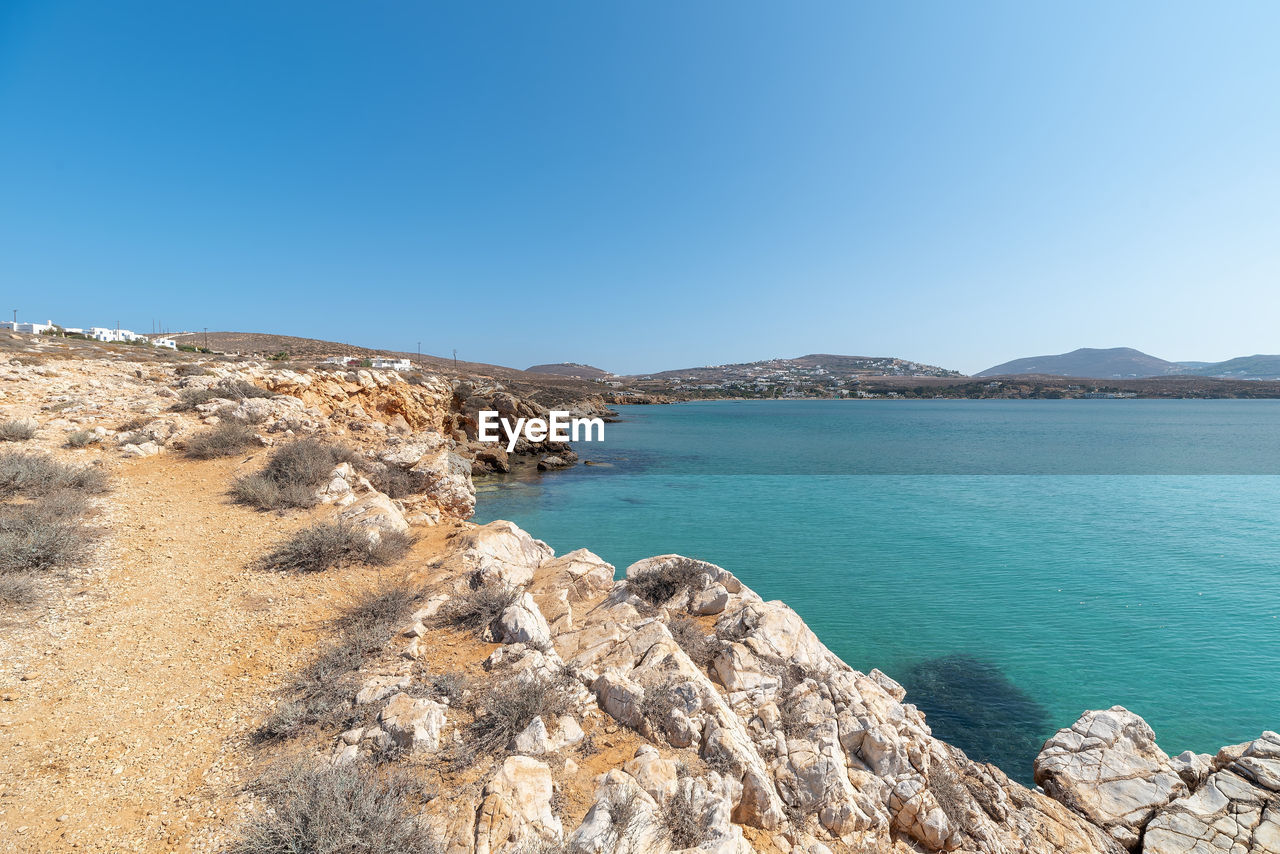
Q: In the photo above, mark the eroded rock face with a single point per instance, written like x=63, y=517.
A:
x=517, y=807
x=1236, y=809
x=500, y=553
x=445, y=475
x=754, y=730
x=1108, y=767
x=413, y=724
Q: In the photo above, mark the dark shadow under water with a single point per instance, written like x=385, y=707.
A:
x=970, y=702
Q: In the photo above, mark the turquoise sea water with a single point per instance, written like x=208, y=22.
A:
x=1013, y=563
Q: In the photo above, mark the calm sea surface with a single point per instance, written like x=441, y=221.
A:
x=1013, y=563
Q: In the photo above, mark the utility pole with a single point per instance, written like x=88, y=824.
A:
x=455, y=358
x=419, y=354
x=15, y=317
x=206, y=338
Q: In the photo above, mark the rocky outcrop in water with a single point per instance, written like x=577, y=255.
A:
x=1108, y=768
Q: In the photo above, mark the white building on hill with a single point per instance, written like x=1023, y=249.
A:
x=126, y=336
x=27, y=328
x=392, y=364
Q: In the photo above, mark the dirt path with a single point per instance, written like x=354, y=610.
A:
x=126, y=715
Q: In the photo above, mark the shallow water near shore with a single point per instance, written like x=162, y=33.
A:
x=1012, y=563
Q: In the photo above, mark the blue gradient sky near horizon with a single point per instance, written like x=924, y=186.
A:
x=646, y=186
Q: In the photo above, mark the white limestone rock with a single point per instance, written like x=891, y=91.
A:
x=1108, y=767
x=413, y=724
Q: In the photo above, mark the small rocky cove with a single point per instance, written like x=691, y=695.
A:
x=536, y=703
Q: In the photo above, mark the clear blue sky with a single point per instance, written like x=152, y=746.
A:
x=650, y=185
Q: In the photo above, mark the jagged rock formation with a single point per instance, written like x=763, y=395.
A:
x=765, y=736
x=1108, y=767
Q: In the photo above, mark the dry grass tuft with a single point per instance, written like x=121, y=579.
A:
x=680, y=820
x=505, y=707
x=348, y=809
x=225, y=440
x=321, y=693
x=476, y=609
x=325, y=545
x=292, y=475
x=190, y=398
x=701, y=647
x=658, y=585
x=37, y=474
x=18, y=430
x=81, y=439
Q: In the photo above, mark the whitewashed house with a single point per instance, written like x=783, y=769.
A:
x=391, y=364
x=27, y=328
x=166, y=343
x=108, y=336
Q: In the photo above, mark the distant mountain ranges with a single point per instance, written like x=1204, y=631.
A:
x=1115, y=363
x=815, y=373
x=1119, y=363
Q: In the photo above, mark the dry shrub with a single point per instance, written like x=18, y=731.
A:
x=449, y=686
x=952, y=795
x=326, y=809
x=394, y=481
x=18, y=430
x=503, y=709
x=82, y=439
x=135, y=423
x=226, y=439
x=658, y=585
x=190, y=369
x=44, y=535
x=701, y=647
x=477, y=608
x=292, y=475
x=624, y=810
x=257, y=491
x=190, y=398
x=325, y=545
x=36, y=474
x=680, y=820
x=19, y=588
x=658, y=702
x=137, y=437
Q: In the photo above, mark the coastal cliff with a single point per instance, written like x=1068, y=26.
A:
x=473, y=692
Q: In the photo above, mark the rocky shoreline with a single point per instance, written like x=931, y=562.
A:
x=673, y=709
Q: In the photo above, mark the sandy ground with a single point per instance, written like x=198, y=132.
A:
x=129, y=696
